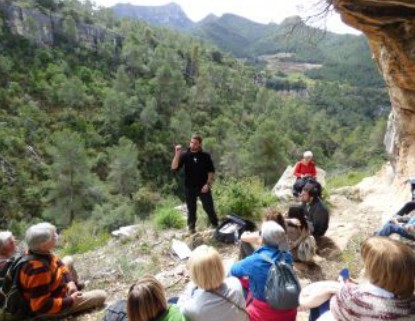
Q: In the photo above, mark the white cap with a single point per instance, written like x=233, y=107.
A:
x=308, y=154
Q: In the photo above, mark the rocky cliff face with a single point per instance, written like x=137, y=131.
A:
x=170, y=15
x=45, y=29
x=390, y=28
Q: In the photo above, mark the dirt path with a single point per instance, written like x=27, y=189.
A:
x=356, y=212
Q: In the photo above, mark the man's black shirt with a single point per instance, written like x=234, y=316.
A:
x=318, y=215
x=197, y=165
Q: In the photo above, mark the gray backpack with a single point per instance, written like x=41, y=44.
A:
x=116, y=312
x=12, y=302
x=282, y=288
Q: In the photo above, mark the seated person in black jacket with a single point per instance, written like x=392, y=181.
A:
x=317, y=213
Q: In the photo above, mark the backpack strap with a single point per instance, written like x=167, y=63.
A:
x=230, y=301
x=14, y=269
x=267, y=258
x=270, y=260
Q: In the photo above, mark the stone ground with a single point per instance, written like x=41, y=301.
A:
x=356, y=212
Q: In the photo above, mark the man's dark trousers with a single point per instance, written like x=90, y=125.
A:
x=406, y=209
x=207, y=202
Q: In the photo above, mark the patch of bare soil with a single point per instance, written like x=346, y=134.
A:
x=278, y=62
x=356, y=212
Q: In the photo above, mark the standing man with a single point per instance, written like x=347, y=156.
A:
x=199, y=172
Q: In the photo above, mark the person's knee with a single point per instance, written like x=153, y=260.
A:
x=68, y=261
x=98, y=297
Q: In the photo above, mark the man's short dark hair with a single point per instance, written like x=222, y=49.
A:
x=311, y=189
x=197, y=137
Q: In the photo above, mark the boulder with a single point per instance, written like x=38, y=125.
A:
x=125, y=231
x=283, y=189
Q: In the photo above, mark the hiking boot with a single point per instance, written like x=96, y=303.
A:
x=190, y=231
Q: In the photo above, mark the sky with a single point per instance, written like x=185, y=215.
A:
x=263, y=11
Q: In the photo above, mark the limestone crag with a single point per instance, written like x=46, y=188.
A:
x=390, y=28
x=170, y=15
x=45, y=29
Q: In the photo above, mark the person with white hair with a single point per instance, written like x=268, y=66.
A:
x=7, y=249
x=255, y=267
x=45, y=281
x=305, y=167
x=304, y=170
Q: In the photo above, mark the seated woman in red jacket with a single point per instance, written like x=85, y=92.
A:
x=306, y=166
x=304, y=169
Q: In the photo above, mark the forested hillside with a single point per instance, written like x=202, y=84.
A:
x=88, y=132
x=345, y=58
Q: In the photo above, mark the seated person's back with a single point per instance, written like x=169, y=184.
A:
x=256, y=268
x=211, y=297
x=389, y=292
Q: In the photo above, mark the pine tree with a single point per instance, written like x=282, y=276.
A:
x=124, y=175
x=72, y=191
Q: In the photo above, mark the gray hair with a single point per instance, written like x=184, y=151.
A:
x=5, y=236
x=274, y=235
x=38, y=234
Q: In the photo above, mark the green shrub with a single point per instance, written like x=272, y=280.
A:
x=166, y=217
x=82, y=237
x=145, y=201
x=114, y=214
x=347, y=179
x=244, y=197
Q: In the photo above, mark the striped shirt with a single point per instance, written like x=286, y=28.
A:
x=45, y=286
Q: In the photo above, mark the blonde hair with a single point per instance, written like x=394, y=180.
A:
x=389, y=264
x=146, y=300
x=206, y=268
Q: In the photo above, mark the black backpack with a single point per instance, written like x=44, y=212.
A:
x=232, y=227
x=12, y=301
x=282, y=288
x=116, y=312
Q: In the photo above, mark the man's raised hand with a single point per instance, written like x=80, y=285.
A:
x=178, y=149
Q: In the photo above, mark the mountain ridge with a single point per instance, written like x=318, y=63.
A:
x=239, y=35
x=169, y=15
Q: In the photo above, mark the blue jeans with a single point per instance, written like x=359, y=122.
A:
x=390, y=228
x=315, y=313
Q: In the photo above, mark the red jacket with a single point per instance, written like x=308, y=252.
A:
x=262, y=311
x=301, y=169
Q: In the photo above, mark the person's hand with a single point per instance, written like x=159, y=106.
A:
x=71, y=287
x=246, y=233
x=295, y=221
x=205, y=188
x=178, y=149
x=76, y=297
x=394, y=221
x=410, y=228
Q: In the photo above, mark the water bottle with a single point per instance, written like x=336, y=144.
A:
x=236, y=236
